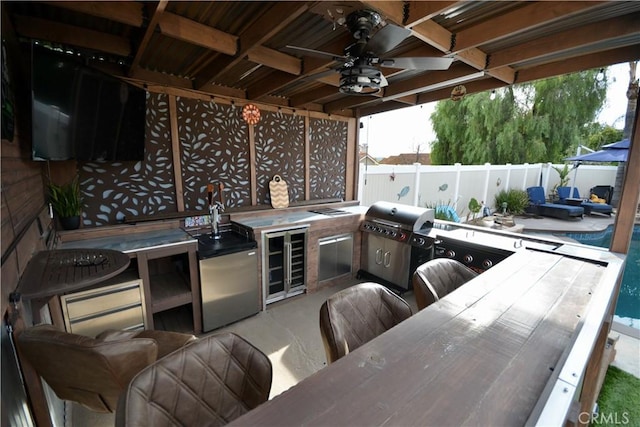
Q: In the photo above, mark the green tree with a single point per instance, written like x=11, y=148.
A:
x=596, y=135
x=533, y=122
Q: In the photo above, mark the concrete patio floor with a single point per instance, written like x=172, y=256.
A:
x=587, y=224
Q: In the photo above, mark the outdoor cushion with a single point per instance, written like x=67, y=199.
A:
x=603, y=191
x=603, y=208
x=556, y=210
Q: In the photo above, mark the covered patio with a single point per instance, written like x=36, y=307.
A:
x=304, y=73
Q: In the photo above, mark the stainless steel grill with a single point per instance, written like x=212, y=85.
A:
x=396, y=221
x=392, y=248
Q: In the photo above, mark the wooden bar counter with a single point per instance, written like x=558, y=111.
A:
x=511, y=347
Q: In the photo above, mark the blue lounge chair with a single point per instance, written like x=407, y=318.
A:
x=539, y=206
x=602, y=208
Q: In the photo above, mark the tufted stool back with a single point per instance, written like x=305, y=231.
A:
x=358, y=314
x=93, y=372
x=211, y=382
x=436, y=278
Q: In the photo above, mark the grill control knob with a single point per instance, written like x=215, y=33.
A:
x=487, y=263
x=450, y=254
x=402, y=236
x=420, y=241
x=468, y=259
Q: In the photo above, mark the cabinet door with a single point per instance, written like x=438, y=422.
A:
x=344, y=254
x=395, y=261
x=276, y=273
x=375, y=254
x=335, y=254
x=296, y=260
x=230, y=289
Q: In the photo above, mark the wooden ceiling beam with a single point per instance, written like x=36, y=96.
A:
x=530, y=15
x=125, y=12
x=193, y=32
x=585, y=62
x=423, y=82
x=594, y=33
x=160, y=78
x=475, y=86
x=434, y=34
x=418, y=11
x=437, y=95
x=349, y=102
x=312, y=96
x=275, y=59
x=275, y=81
x=148, y=33
x=266, y=26
x=42, y=29
x=310, y=66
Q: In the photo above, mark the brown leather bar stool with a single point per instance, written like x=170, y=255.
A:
x=436, y=278
x=356, y=315
x=93, y=372
x=211, y=382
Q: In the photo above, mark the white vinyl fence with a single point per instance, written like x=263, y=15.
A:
x=455, y=185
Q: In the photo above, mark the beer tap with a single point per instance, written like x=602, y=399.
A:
x=214, y=211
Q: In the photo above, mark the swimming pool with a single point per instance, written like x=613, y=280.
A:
x=628, y=307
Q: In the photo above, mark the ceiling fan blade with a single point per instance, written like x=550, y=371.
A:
x=319, y=53
x=383, y=81
x=387, y=38
x=417, y=63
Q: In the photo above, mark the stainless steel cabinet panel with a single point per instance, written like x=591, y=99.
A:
x=119, y=306
x=335, y=254
x=386, y=259
x=230, y=288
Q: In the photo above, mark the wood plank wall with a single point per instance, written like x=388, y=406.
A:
x=23, y=215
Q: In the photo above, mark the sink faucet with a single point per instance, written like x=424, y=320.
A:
x=214, y=211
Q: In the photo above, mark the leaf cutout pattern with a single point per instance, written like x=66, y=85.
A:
x=214, y=148
x=279, y=140
x=112, y=190
x=327, y=159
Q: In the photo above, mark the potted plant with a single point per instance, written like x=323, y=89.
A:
x=67, y=203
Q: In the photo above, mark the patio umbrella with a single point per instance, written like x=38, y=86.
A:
x=607, y=155
x=614, y=152
x=620, y=144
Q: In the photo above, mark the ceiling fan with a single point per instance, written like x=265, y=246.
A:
x=359, y=72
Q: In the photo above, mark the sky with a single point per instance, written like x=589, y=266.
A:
x=407, y=129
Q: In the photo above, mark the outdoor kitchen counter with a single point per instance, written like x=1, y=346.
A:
x=292, y=219
x=132, y=242
x=511, y=347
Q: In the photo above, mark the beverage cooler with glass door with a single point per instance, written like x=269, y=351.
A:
x=284, y=263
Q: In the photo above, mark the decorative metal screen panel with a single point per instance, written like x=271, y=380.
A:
x=328, y=158
x=280, y=151
x=112, y=191
x=214, y=146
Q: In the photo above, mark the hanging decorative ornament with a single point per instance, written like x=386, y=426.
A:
x=458, y=92
x=251, y=114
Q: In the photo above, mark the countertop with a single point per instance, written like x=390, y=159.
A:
x=295, y=218
x=66, y=270
x=509, y=347
x=133, y=242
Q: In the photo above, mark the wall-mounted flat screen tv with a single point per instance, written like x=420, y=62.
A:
x=81, y=113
